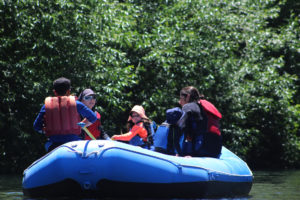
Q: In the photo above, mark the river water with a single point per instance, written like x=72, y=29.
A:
x=267, y=185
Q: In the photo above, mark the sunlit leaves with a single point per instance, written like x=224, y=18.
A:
x=242, y=55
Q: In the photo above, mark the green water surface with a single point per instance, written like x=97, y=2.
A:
x=267, y=185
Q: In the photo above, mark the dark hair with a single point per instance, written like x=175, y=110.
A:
x=61, y=85
x=193, y=92
x=129, y=125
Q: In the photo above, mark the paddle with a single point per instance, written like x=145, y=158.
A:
x=82, y=125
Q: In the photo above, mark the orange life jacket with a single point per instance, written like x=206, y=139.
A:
x=61, y=116
x=137, y=129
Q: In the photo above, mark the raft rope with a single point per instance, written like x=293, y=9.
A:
x=100, y=152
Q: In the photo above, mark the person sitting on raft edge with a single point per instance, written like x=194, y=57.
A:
x=140, y=133
x=200, y=125
x=59, y=116
x=88, y=98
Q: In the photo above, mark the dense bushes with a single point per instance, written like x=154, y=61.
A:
x=243, y=56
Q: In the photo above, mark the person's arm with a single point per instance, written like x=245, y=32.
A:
x=84, y=111
x=124, y=137
x=39, y=121
x=182, y=121
x=136, y=130
x=189, y=109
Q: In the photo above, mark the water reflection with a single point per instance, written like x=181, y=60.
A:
x=276, y=185
x=268, y=185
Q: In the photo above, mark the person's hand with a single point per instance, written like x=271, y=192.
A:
x=87, y=122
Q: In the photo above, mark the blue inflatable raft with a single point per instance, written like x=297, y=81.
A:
x=102, y=168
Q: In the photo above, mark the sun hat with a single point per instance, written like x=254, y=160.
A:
x=139, y=110
x=86, y=92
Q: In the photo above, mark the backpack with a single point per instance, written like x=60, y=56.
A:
x=213, y=116
x=150, y=127
x=167, y=139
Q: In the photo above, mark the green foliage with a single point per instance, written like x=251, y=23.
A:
x=242, y=55
x=40, y=41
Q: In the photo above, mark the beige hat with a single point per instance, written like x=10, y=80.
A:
x=139, y=110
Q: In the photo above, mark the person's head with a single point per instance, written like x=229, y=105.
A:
x=62, y=86
x=137, y=114
x=88, y=98
x=189, y=94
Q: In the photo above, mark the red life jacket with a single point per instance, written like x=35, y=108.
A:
x=213, y=116
x=94, y=128
x=61, y=116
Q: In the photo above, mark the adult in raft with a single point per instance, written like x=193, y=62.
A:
x=59, y=116
x=200, y=125
x=139, y=126
x=88, y=98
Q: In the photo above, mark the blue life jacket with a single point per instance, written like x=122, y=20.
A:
x=196, y=130
x=168, y=138
x=161, y=137
x=202, y=136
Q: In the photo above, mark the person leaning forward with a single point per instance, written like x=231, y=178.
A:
x=59, y=116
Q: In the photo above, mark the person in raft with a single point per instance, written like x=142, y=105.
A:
x=200, y=125
x=59, y=116
x=88, y=98
x=140, y=133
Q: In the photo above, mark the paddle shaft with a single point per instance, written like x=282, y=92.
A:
x=89, y=133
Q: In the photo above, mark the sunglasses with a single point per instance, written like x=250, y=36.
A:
x=87, y=98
